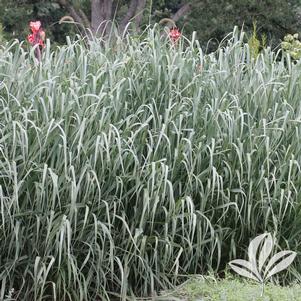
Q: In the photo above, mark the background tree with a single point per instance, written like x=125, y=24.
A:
x=212, y=19
x=123, y=12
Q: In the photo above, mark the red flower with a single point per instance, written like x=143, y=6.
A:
x=174, y=34
x=38, y=34
x=37, y=37
x=30, y=38
x=35, y=26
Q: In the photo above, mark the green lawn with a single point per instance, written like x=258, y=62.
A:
x=231, y=290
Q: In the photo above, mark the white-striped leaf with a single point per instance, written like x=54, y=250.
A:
x=253, y=249
x=288, y=256
x=265, y=251
x=245, y=269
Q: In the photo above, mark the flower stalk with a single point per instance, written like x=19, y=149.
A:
x=37, y=38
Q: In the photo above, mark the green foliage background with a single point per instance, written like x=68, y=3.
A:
x=212, y=19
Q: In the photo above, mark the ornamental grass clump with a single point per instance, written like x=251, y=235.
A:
x=124, y=169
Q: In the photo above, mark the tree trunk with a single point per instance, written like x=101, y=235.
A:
x=77, y=14
x=129, y=14
x=135, y=12
x=182, y=11
x=101, y=13
x=139, y=13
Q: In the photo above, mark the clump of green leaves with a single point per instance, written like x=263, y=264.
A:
x=255, y=44
x=292, y=46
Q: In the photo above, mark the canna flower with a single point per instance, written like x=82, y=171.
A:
x=37, y=37
x=38, y=34
x=30, y=38
x=35, y=26
x=174, y=34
